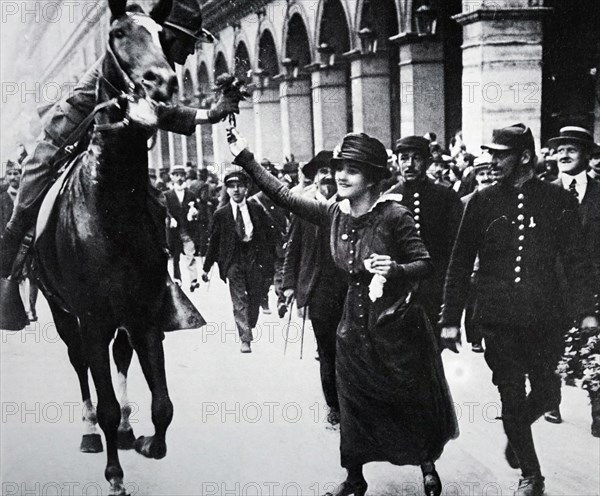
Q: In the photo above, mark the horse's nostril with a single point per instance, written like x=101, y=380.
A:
x=150, y=76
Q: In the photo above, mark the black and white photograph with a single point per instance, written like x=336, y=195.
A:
x=300, y=247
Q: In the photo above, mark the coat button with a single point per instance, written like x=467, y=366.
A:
x=519, y=258
x=417, y=203
x=351, y=252
x=350, y=262
x=520, y=248
x=417, y=210
x=418, y=226
x=521, y=237
x=517, y=269
x=517, y=280
x=521, y=217
x=521, y=196
x=344, y=237
x=521, y=227
x=416, y=195
x=520, y=205
x=417, y=218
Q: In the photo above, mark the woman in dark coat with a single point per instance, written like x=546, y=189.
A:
x=395, y=404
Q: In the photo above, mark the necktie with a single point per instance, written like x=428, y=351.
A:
x=573, y=189
x=240, y=229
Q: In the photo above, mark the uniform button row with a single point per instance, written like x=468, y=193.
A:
x=416, y=195
x=521, y=217
x=521, y=196
x=521, y=237
x=519, y=258
x=417, y=203
x=521, y=227
x=517, y=280
x=417, y=211
x=520, y=248
x=418, y=226
x=517, y=269
x=520, y=206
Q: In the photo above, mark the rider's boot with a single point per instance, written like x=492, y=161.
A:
x=12, y=311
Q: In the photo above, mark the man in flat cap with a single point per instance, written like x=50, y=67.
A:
x=310, y=276
x=520, y=227
x=238, y=244
x=573, y=149
x=437, y=211
x=177, y=30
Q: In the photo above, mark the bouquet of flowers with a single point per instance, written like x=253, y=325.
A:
x=580, y=364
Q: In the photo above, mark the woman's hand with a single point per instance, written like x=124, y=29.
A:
x=383, y=265
x=237, y=143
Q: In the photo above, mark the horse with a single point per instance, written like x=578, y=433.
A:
x=100, y=256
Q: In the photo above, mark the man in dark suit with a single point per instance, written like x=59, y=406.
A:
x=437, y=211
x=181, y=221
x=520, y=227
x=239, y=246
x=573, y=148
x=278, y=226
x=310, y=275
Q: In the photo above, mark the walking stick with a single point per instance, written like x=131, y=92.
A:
x=287, y=331
x=302, y=334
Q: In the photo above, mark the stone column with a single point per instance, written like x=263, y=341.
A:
x=296, y=118
x=371, y=112
x=267, y=123
x=502, y=70
x=330, y=105
x=422, y=93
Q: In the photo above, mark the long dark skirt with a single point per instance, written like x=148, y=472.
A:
x=395, y=403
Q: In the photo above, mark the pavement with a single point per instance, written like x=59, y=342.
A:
x=254, y=424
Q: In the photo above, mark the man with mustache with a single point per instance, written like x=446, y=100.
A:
x=520, y=228
x=573, y=149
x=437, y=211
x=310, y=275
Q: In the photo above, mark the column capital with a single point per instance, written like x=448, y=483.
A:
x=499, y=14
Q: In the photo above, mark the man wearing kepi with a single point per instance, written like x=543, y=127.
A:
x=180, y=31
x=520, y=227
x=437, y=211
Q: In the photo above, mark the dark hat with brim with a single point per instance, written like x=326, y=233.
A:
x=482, y=162
x=237, y=175
x=515, y=137
x=177, y=169
x=365, y=150
x=186, y=17
x=573, y=134
x=320, y=160
x=418, y=143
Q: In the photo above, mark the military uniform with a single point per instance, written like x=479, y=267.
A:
x=520, y=234
x=437, y=211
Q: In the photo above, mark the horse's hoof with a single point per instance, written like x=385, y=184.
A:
x=125, y=439
x=91, y=443
x=147, y=446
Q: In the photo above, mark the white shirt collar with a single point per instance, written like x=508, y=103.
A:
x=397, y=197
x=567, y=179
x=235, y=205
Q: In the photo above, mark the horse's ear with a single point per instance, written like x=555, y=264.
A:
x=117, y=8
x=161, y=11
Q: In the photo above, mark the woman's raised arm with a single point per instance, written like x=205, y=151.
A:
x=310, y=210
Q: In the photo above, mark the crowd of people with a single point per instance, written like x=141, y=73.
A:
x=390, y=252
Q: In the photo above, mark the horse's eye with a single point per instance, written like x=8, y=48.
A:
x=119, y=33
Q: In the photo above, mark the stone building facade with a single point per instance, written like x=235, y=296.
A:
x=321, y=68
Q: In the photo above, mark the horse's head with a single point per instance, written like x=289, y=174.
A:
x=135, y=64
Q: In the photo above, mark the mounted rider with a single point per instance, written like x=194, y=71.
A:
x=178, y=31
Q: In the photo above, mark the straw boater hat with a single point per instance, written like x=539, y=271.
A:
x=573, y=134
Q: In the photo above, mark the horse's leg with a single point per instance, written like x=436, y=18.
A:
x=149, y=349
x=67, y=327
x=96, y=339
x=122, y=353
